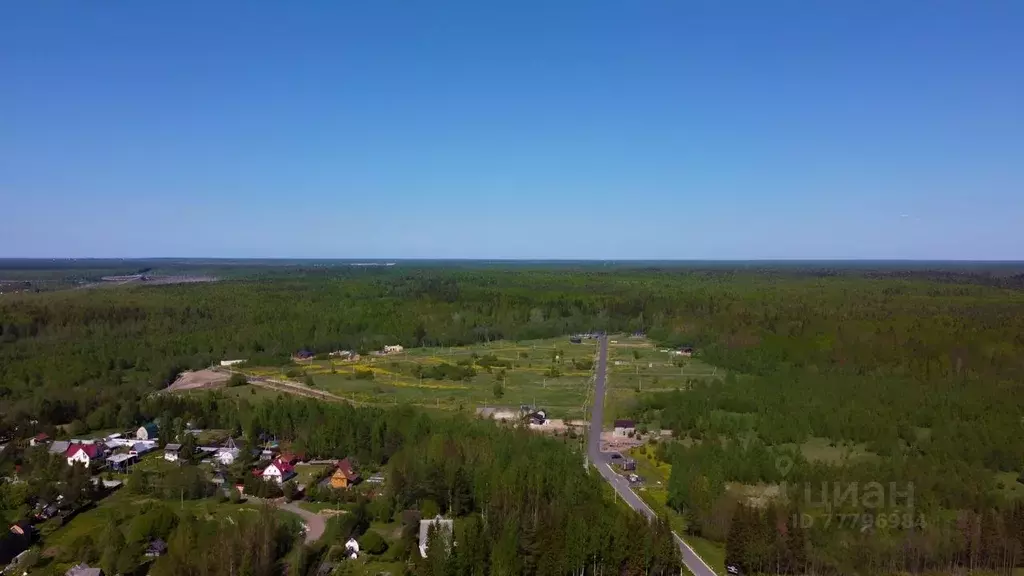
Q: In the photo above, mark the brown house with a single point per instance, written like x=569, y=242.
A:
x=344, y=476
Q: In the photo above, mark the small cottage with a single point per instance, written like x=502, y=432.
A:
x=624, y=428
x=171, y=452
x=278, y=471
x=344, y=475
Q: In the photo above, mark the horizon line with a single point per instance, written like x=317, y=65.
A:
x=477, y=259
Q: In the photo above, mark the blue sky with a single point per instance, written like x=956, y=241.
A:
x=695, y=129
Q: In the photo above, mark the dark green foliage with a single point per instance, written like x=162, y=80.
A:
x=492, y=361
x=289, y=490
x=924, y=374
x=583, y=364
x=372, y=543
x=156, y=522
x=543, y=513
x=250, y=544
x=237, y=380
x=445, y=371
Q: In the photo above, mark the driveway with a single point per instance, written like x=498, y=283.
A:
x=315, y=523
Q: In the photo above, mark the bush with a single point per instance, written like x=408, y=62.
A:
x=237, y=380
x=157, y=522
x=490, y=360
x=445, y=371
x=583, y=364
x=290, y=491
x=372, y=543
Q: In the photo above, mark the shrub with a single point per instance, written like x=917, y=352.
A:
x=290, y=491
x=237, y=380
x=372, y=543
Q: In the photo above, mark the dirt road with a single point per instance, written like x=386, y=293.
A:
x=315, y=523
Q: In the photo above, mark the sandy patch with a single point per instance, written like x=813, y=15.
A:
x=198, y=379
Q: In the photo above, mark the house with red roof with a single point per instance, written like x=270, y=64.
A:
x=344, y=475
x=84, y=454
x=279, y=471
x=41, y=438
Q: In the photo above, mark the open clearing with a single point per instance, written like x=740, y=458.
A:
x=636, y=365
x=553, y=374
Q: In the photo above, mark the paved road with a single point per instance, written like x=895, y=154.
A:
x=602, y=461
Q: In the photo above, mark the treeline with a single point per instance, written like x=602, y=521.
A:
x=775, y=540
x=260, y=543
x=64, y=354
x=528, y=502
x=529, y=508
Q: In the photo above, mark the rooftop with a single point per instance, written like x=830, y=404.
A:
x=444, y=526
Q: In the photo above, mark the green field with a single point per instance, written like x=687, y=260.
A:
x=636, y=365
x=553, y=374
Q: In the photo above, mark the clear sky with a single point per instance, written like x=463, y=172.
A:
x=689, y=129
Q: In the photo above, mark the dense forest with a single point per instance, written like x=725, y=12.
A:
x=922, y=371
x=525, y=504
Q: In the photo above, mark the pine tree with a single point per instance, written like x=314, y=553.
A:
x=796, y=543
x=737, y=543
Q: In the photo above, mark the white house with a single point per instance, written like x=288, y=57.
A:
x=444, y=527
x=278, y=471
x=83, y=454
x=393, y=349
x=171, y=452
x=226, y=456
x=231, y=362
x=352, y=549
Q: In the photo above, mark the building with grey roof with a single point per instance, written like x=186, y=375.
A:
x=445, y=528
